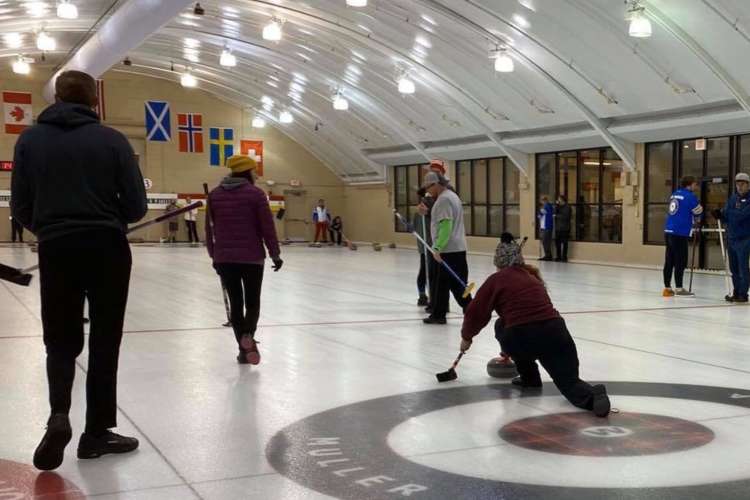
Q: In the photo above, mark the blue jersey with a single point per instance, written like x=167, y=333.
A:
x=683, y=208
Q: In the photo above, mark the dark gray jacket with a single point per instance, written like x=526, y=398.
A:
x=72, y=174
x=562, y=218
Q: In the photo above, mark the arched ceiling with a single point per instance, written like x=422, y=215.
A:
x=579, y=79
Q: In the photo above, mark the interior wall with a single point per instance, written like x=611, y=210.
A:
x=173, y=172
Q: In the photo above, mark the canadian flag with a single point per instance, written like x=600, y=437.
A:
x=17, y=111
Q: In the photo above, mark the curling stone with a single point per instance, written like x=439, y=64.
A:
x=391, y=245
x=501, y=367
x=377, y=247
x=352, y=246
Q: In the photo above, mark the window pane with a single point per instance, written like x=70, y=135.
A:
x=612, y=223
x=480, y=220
x=744, y=160
x=717, y=157
x=588, y=222
x=496, y=220
x=479, y=175
x=463, y=180
x=567, y=178
x=400, y=185
x=589, y=192
x=545, y=176
x=467, y=219
x=612, y=167
x=513, y=220
x=659, y=172
x=692, y=160
x=413, y=184
x=512, y=179
x=396, y=223
x=657, y=216
x=496, y=180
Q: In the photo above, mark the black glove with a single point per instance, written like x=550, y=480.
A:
x=277, y=263
x=410, y=227
x=716, y=213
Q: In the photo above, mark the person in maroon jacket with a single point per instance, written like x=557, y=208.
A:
x=530, y=329
x=240, y=222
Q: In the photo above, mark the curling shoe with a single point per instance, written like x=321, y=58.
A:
x=91, y=446
x=600, y=405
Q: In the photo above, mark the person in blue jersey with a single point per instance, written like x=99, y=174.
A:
x=684, y=209
x=546, y=213
x=736, y=214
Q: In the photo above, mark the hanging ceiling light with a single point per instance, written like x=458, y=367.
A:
x=67, y=10
x=356, y=3
x=503, y=62
x=227, y=58
x=640, y=26
x=286, y=117
x=45, y=43
x=258, y=122
x=339, y=103
x=188, y=80
x=272, y=31
x=21, y=66
x=406, y=85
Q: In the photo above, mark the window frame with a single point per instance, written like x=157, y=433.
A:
x=398, y=227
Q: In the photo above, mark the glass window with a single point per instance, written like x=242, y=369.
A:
x=513, y=219
x=612, y=223
x=512, y=180
x=407, y=180
x=496, y=180
x=463, y=180
x=717, y=157
x=744, y=156
x=567, y=177
x=589, y=192
x=496, y=220
x=479, y=179
x=484, y=205
x=480, y=220
x=400, y=186
x=656, y=218
x=612, y=168
x=545, y=176
x=659, y=172
x=691, y=160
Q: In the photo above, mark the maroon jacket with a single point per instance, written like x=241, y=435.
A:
x=516, y=295
x=242, y=221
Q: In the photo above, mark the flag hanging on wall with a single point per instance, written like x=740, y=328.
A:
x=100, y=109
x=190, y=128
x=253, y=149
x=17, y=111
x=158, y=121
x=222, y=145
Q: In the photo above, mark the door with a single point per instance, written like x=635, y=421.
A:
x=297, y=216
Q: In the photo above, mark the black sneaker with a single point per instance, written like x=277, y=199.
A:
x=518, y=381
x=729, y=298
x=740, y=300
x=51, y=450
x=423, y=300
x=600, y=405
x=434, y=321
x=91, y=446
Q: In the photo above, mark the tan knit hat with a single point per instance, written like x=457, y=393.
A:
x=240, y=163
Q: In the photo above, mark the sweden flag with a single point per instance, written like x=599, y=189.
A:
x=222, y=145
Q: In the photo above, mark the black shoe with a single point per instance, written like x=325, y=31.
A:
x=518, y=381
x=227, y=324
x=91, y=446
x=729, y=298
x=423, y=300
x=558, y=259
x=600, y=406
x=564, y=259
x=740, y=300
x=430, y=320
x=51, y=450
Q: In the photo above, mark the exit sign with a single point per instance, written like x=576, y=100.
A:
x=6, y=166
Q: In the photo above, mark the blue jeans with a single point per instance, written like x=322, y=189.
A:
x=739, y=264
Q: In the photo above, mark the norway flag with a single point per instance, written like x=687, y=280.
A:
x=190, y=127
x=17, y=111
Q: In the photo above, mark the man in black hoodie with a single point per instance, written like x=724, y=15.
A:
x=76, y=185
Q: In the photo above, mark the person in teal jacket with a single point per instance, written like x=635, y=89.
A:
x=736, y=214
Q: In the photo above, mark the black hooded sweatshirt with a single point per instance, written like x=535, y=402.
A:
x=72, y=174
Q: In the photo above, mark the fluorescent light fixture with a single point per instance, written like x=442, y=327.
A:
x=423, y=41
x=286, y=117
x=297, y=87
x=640, y=26
x=271, y=83
x=45, y=43
x=188, y=80
x=36, y=9
x=191, y=43
x=13, y=40
x=356, y=3
x=521, y=21
x=406, y=86
x=528, y=4
x=21, y=67
x=339, y=103
x=268, y=107
x=503, y=62
x=429, y=19
x=272, y=31
x=258, y=122
x=266, y=100
x=228, y=59
x=67, y=10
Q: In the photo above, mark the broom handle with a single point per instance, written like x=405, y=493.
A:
x=460, y=355
x=692, y=259
x=724, y=257
x=137, y=227
x=424, y=252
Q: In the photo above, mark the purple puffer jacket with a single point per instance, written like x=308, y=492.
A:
x=242, y=221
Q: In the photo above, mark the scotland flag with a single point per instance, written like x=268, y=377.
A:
x=158, y=121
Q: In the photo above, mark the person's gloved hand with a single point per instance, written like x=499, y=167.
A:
x=716, y=212
x=277, y=263
x=410, y=227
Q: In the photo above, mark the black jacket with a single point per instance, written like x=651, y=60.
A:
x=72, y=174
x=562, y=218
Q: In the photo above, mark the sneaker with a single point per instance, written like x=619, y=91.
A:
x=600, y=406
x=681, y=292
x=740, y=300
x=51, y=450
x=250, y=348
x=518, y=381
x=729, y=298
x=430, y=320
x=227, y=324
x=423, y=300
x=668, y=292
x=91, y=446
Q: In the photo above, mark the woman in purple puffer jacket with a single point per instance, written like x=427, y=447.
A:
x=240, y=222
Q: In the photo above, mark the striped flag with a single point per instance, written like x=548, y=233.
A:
x=17, y=111
x=190, y=128
x=100, y=109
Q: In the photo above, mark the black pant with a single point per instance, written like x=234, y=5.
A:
x=192, y=228
x=547, y=243
x=676, y=258
x=94, y=265
x=447, y=284
x=16, y=229
x=550, y=343
x=243, y=283
x=335, y=236
x=422, y=275
x=561, y=244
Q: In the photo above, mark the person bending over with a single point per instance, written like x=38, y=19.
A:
x=530, y=329
x=242, y=224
